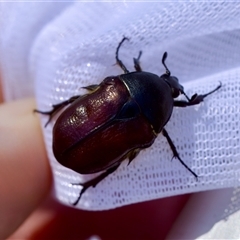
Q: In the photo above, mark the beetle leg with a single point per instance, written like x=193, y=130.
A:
x=119, y=62
x=93, y=182
x=133, y=154
x=92, y=88
x=195, y=99
x=175, y=153
x=56, y=108
x=137, y=62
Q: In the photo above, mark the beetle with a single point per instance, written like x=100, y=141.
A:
x=116, y=119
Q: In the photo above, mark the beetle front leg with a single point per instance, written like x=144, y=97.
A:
x=119, y=62
x=195, y=99
x=56, y=108
x=93, y=182
x=137, y=62
x=175, y=153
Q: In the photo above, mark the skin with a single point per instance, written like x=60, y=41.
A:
x=28, y=209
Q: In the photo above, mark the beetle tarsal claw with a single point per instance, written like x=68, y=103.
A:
x=79, y=197
x=84, y=188
x=76, y=184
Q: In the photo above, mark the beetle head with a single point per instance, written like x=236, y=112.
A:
x=172, y=81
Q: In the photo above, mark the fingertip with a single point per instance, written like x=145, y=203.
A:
x=25, y=175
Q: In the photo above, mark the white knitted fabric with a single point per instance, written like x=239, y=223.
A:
x=63, y=47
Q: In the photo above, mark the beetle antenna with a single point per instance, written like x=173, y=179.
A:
x=163, y=62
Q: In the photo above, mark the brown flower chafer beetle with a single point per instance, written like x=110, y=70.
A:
x=116, y=120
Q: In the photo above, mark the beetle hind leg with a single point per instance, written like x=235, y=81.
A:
x=175, y=153
x=93, y=182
